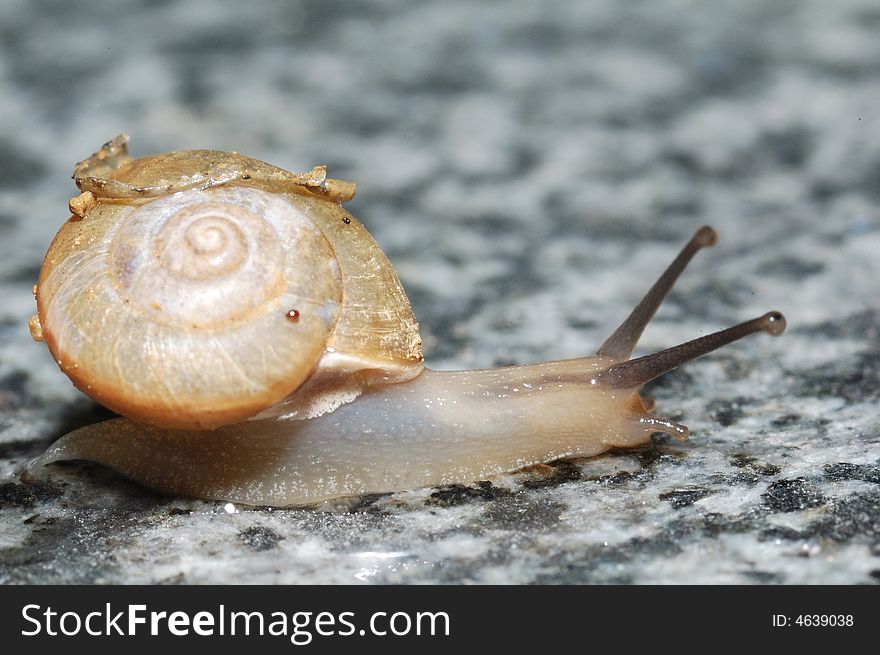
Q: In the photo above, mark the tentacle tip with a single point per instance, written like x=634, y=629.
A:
x=706, y=237
x=773, y=323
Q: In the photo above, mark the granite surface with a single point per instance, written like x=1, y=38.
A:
x=529, y=168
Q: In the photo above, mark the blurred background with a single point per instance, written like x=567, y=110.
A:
x=529, y=168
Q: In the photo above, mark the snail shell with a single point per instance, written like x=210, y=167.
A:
x=198, y=288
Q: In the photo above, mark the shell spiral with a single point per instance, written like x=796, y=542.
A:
x=197, y=288
x=175, y=312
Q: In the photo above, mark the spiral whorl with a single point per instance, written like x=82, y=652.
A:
x=175, y=313
x=203, y=242
x=199, y=261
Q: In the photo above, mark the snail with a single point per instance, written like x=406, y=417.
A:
x=261, y=348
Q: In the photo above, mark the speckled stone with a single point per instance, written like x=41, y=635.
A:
x=529, y=168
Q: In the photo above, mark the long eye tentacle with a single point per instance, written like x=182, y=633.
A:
x=620, y=344
x=634, y=373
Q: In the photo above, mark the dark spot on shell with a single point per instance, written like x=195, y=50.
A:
x=292, y=315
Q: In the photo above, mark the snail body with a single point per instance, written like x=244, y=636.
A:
x=307, y=382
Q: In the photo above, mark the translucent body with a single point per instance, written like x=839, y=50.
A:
x=439, y=428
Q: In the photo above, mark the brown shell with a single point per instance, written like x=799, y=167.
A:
x=142, y=329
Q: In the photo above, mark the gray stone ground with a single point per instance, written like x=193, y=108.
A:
x=529, y=168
